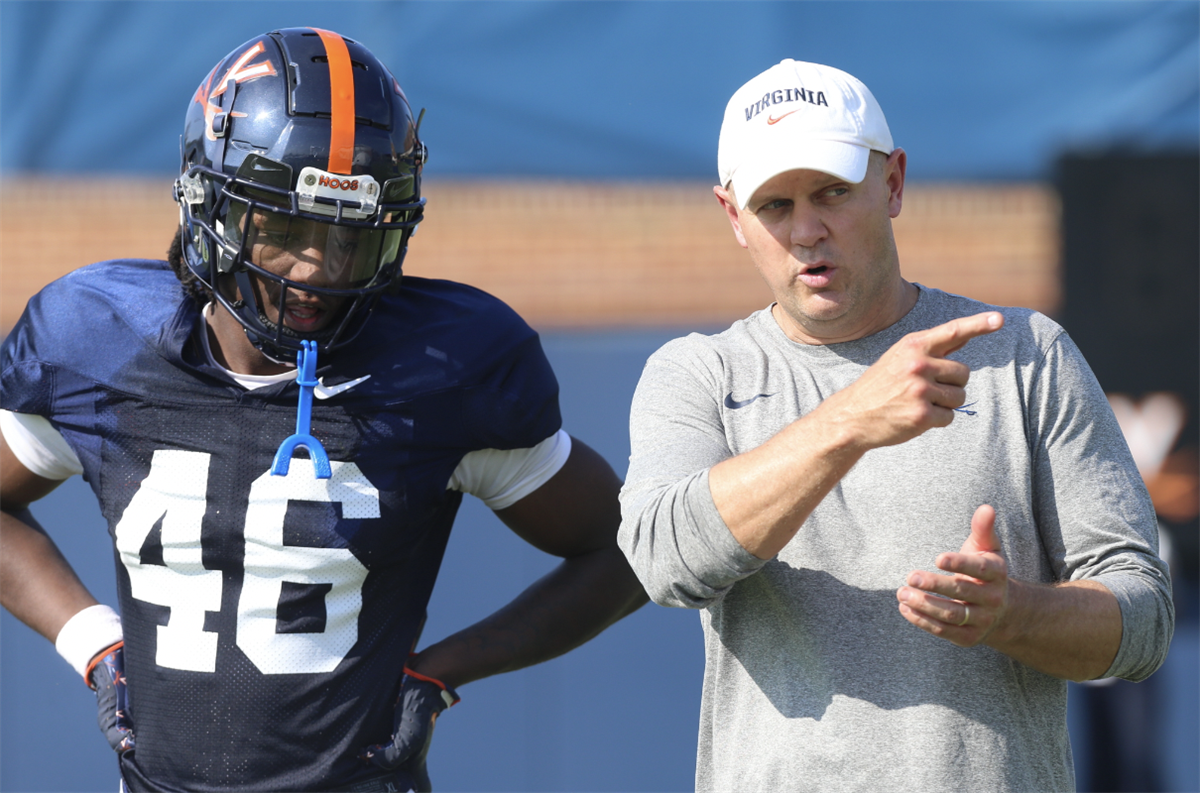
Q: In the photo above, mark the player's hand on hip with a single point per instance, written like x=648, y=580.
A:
x=965, y=606
x=913, y=387
x=421, y=700
x=106, y=675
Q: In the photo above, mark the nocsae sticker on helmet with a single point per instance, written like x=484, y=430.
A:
x=361, y=190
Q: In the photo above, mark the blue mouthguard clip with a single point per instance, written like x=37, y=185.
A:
x=306, y=378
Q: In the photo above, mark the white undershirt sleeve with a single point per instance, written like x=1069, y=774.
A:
x=39, y=446
x=43, y=450
x=502, y=477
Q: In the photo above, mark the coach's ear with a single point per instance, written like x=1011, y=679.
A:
x=729, y=204
x=894, y=170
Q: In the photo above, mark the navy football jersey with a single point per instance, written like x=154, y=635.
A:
x=267, y=618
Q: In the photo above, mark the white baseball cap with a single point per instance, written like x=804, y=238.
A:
x=799, y=115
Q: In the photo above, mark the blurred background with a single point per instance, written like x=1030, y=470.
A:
x=1054, y=163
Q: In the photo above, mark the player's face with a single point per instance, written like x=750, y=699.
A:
x=825, y=248
x=310, y=253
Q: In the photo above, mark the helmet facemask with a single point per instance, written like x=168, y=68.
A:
x=273, y=255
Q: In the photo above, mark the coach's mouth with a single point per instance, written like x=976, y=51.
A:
x=817, y=275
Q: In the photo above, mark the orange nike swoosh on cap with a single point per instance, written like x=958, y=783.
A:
x=773, y=120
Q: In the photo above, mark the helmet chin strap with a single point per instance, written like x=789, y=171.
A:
x=269, y=351
x=282, y=354
x=265, y=337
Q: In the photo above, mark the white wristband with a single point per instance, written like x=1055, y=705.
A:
x=87, y=633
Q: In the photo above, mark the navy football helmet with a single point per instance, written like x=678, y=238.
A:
x=299, y=146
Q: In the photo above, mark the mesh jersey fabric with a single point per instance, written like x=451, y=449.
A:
x=267, y=619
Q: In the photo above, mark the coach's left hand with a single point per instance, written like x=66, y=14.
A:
x=967, y=605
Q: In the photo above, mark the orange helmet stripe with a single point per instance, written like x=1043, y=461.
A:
x=341, y=99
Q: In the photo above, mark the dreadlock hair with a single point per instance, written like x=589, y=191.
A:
x=192, y=286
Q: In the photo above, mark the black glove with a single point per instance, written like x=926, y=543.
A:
x=421, y=700
x=106, y=675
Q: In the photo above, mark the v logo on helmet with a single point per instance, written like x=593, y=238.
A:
x=239, y=72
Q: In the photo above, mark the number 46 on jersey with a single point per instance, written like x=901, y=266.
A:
x=175, y=493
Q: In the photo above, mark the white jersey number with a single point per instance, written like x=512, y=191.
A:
x=174, y=493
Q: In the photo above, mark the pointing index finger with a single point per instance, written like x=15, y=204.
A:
x=953, y=335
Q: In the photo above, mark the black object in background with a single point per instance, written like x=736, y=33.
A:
x=1131, y=301
x=1131, y=284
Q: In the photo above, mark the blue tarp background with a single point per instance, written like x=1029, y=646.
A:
x=979, y=90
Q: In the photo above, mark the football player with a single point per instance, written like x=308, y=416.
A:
x=277, y=535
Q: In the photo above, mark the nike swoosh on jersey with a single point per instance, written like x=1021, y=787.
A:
x=732, y=404
x=322, y=391
x=773, y=120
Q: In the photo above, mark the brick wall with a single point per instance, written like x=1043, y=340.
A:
x=570, y=254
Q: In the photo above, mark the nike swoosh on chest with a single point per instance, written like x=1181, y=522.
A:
x=322, y=391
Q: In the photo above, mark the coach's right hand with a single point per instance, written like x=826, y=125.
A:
x=764, y=495
x=106, y=675
x=913, y=387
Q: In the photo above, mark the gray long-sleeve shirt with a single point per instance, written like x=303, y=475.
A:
x=813, y=679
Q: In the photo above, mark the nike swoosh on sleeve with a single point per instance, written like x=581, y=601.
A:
x=322, y=391
x=733, y=404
